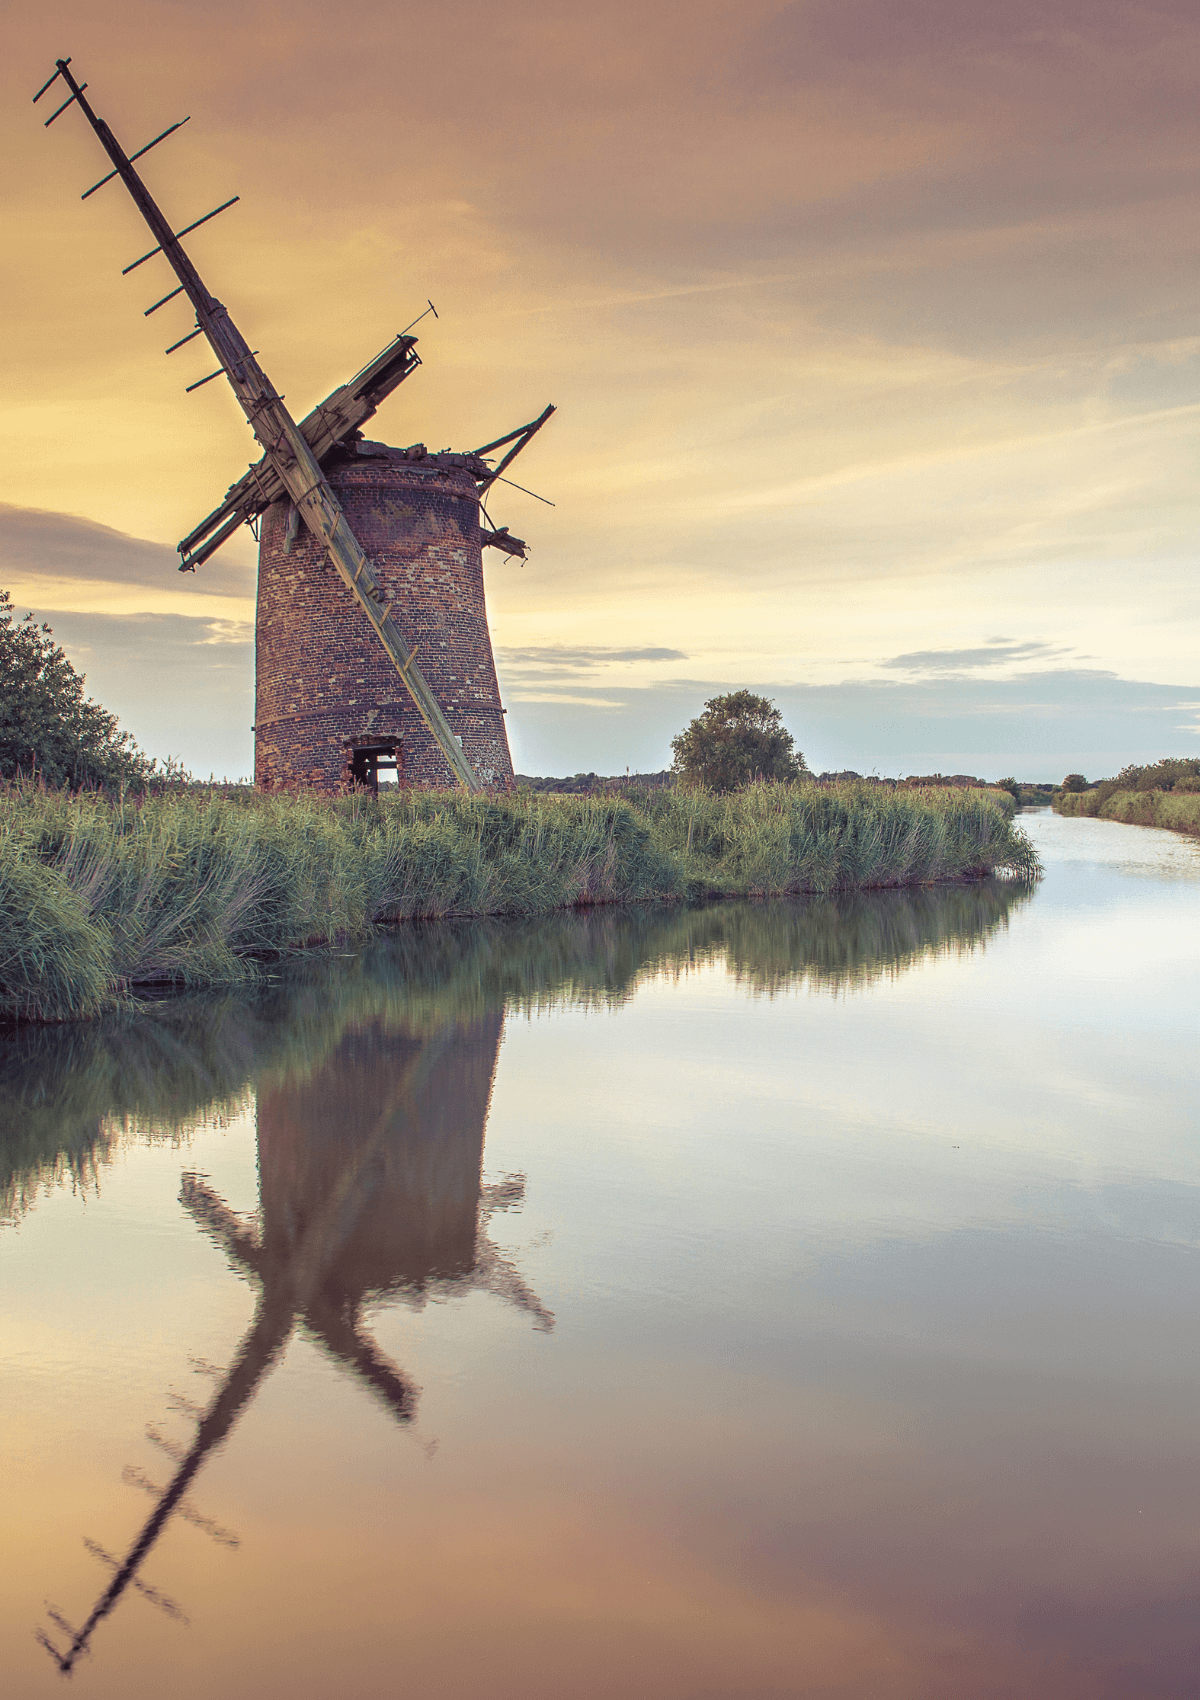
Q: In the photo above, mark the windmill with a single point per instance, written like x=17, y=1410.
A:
x=351, y=532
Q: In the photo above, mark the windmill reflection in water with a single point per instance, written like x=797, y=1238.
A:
x=370, y=1162
x=370, y=1185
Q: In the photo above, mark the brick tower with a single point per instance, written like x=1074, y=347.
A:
x=331, y=707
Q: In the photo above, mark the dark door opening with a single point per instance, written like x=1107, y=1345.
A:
x=364, y=762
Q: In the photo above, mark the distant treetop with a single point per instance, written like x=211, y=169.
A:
x=740, y=737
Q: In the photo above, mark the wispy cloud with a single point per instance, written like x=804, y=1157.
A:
x=1040, y=723
x=996, y=652
x=562, y=657
x=576, y=700
x=581, y=676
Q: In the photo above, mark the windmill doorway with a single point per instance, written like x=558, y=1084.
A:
x=365, y=762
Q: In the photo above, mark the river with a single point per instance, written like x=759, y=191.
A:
x=783, y=1300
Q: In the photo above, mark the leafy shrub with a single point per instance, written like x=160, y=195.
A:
x=48, y=728
x=1165, y=793
x=739, y=738
x=1159, y=776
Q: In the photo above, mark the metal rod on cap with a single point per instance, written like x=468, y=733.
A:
x=430, y=309
x=532, y=493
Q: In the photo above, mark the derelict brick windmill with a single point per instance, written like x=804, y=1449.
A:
x=368, y=557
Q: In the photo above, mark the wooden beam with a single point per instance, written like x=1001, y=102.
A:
x=501, y=539
x=345, y=410
x=519, y=438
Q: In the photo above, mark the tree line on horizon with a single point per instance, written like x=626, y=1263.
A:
x=1169, y=773
x=51, y=731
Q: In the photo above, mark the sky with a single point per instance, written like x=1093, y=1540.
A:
x=873, y=328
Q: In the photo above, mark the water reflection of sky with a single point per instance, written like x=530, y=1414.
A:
x=872, y=1367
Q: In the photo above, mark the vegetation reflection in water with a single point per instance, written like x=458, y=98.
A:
x=69, y=1094
x=371, y=1077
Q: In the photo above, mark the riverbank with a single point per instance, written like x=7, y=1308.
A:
x=97, y=897
x=72, y=1093
x=1176, y=811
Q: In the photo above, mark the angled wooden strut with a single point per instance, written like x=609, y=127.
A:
x=285, y=446
x=280, y=1299
x=518, y=438
x=289, y=1288
x=348, y=408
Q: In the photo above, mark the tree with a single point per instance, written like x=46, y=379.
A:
x=1074, y=782
x=738, y=738
x=47, y=726
x=1010, y=785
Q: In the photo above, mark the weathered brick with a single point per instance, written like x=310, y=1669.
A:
x=324, y=681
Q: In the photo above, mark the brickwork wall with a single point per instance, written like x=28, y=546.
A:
x=323, y=680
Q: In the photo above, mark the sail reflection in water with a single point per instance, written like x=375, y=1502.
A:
x=372, y=1078
x=370, y=1172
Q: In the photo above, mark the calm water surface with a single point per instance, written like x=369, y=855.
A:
x=760, y=1301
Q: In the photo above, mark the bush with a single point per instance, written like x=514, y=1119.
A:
x=738, y=739
x=1159, y=776
x=48, y=728
x=1165, y=794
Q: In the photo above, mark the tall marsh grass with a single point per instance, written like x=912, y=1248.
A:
x=1177, y=811
x=98, y=896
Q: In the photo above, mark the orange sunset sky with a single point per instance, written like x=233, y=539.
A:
x=874, y=328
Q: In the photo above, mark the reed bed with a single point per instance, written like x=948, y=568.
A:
x=99, y=896
x=1177, y=811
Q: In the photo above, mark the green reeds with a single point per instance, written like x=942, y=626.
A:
x=770, y=840
x=1176, y=811
x=98, y=896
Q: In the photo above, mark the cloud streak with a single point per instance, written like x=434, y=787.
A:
x=997, y=652
x=40, y=544
x=566, y=657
